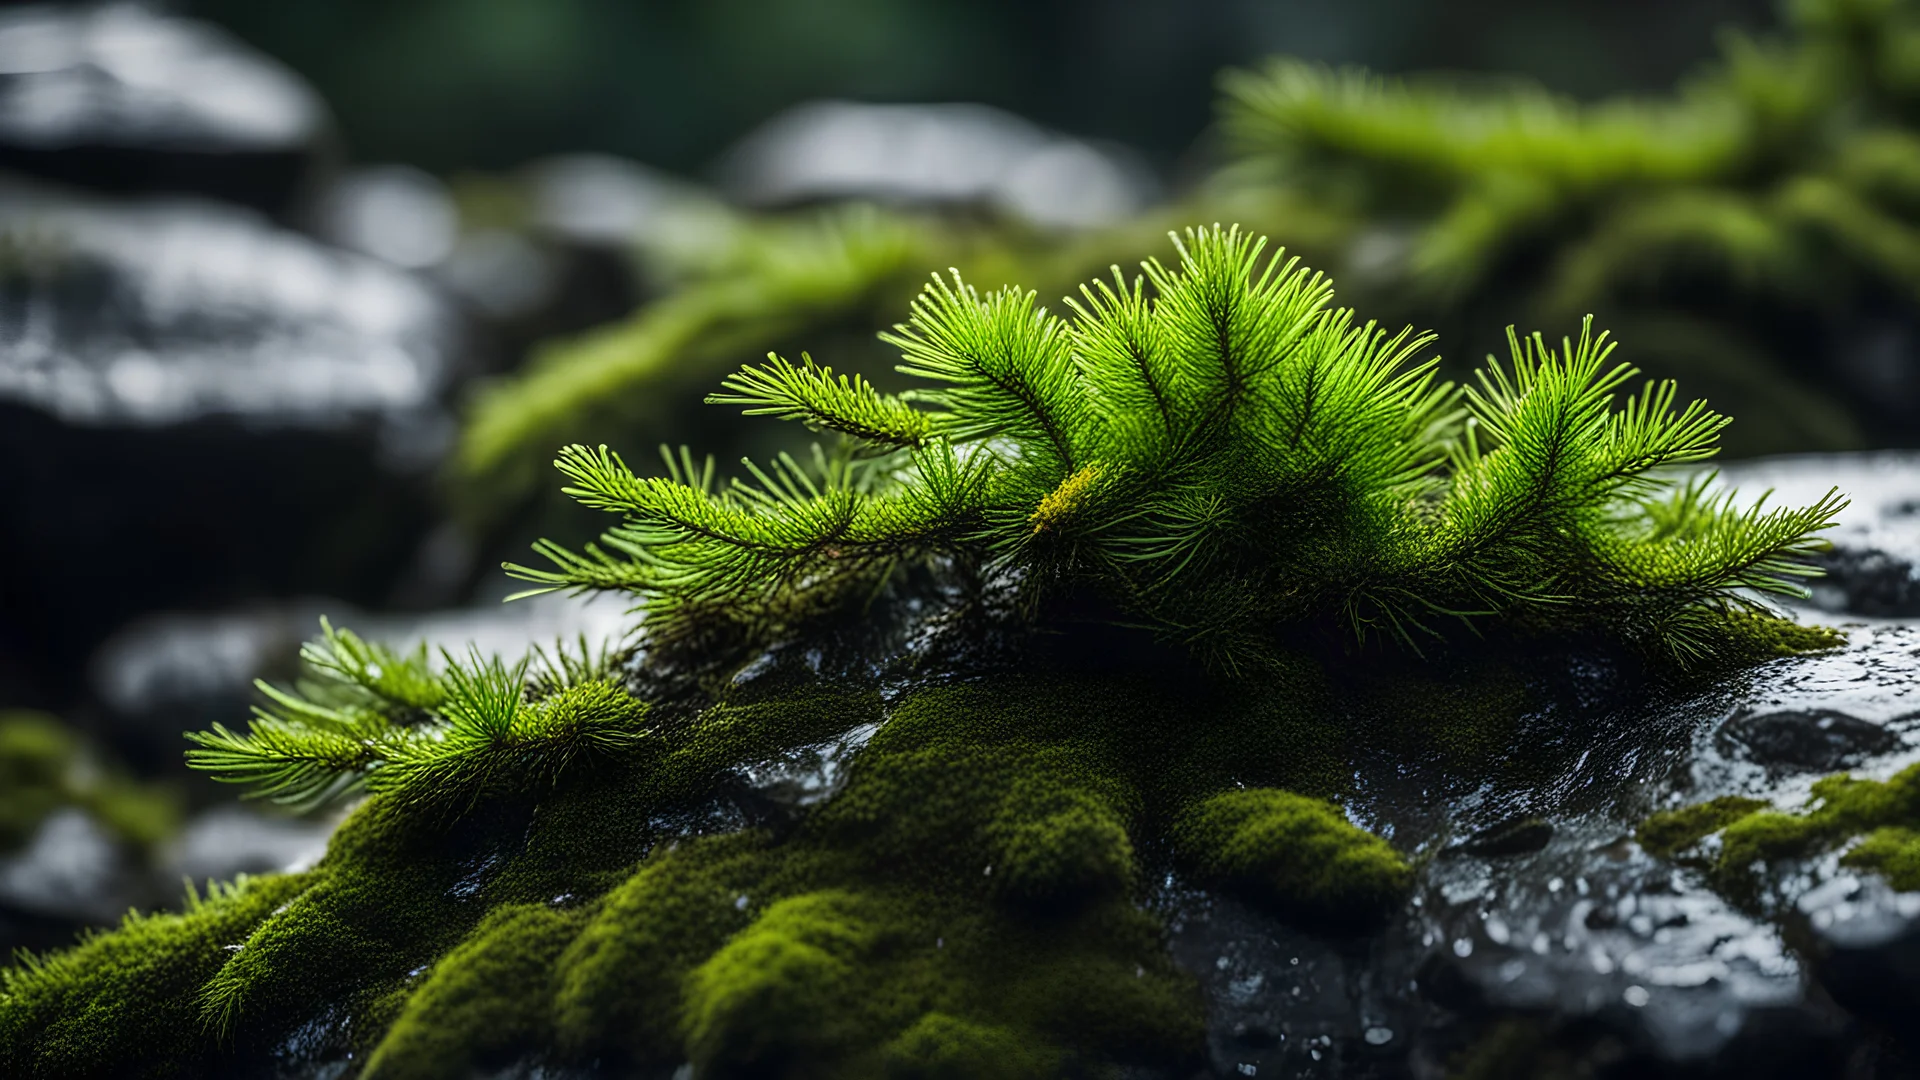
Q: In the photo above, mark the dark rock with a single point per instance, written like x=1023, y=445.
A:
x=122, y=98
x=934, y=155
x=217, y=409
x=1521, y=837
x=1874, y=567
x=1550, y=944
x=1821, y=740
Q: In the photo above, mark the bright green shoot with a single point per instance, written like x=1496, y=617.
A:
x=1216, y=452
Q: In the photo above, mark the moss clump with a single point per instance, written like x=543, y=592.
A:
x=126, y=1003
x=785, y=992
x=1298, y=854
x=1841, y=808
x=45, y=766
x=1894, y=852
x=942, y=1047
x=1669, y=832
x=470, y=1011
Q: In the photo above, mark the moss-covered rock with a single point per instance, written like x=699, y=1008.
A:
x=127, y=1003
x=1671, y=831
x=971, y=895
x=1299, y=854
x=1842, y=808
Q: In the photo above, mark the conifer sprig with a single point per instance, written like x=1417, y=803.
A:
x=366, y=717
x=1223, y=455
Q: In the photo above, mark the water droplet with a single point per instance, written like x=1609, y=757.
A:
x=740, y=902
x=1378, y=1036
x=1635, y=996
x=1463, y=948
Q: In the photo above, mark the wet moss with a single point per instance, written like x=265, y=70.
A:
x=1669, y=832
x=1298, y=854
x=967, y=901
x=471, y=1010
x=785, y=997
x=125, y=1004
x=942, y=1047
x=1894, y=852
x=1841, y=809
x=619, y=981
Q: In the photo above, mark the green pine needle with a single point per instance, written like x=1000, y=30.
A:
x=1222, y=455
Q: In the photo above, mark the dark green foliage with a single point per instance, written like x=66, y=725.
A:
x=1222, y=456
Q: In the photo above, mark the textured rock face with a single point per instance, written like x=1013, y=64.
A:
x=1579, y=953
x=259, y=411
x=1540, y=938
x=120, y=97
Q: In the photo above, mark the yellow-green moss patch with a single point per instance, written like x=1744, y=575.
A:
x=1298, y=854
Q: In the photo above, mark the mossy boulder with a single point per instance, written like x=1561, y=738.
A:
x=1299, y=854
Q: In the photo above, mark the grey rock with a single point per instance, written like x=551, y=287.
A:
x=159, y=313
x=230, y=840
x=71, y=870
x=260, y=411
x=395, y=213
x=1874, y=569
x=124, y=97
x=1821, y=740
x=936, y=155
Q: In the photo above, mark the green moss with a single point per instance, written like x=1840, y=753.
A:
x=943, y=1047
x=967, y=902
x=1894, y=852
x=1840, y=809
x=619, y=981
x=472, y=1010
x=1296, y=853
x=785, y=994
x=1671, y=831
x=1054, y=847
x=125, y=1003
x=45, y=766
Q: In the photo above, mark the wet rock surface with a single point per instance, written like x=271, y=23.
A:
x=125, y=98
x=1874, y=568
x=1543, y=941
x=261, y=412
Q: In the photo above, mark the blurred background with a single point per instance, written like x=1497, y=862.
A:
x=298, y=299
